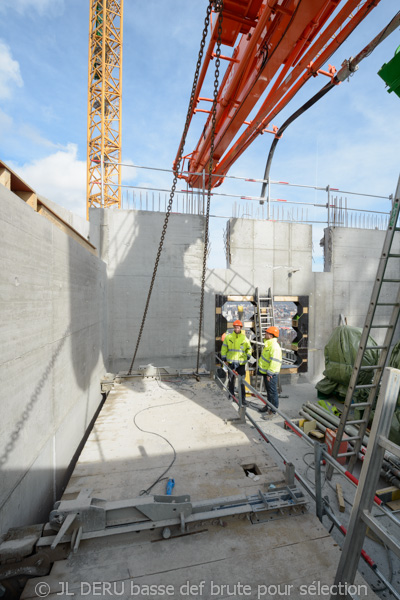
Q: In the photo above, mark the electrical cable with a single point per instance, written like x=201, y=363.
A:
x=352, y=66
x=162, y=476
x=329, y=86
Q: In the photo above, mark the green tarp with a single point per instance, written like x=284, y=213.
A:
x=340, y=355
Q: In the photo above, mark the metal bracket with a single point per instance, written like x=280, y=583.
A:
x=87, y=518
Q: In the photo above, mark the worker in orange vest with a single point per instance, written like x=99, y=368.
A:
x=269, y=366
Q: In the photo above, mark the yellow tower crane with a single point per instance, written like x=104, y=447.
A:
x=104, y=105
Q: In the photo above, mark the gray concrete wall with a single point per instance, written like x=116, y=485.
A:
x=279, y=255
x=81, y=225
x=52, y=296
x=264, y=254
x=352, y=259
x=129, y=242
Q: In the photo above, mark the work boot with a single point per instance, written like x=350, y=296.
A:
x=266, y=416
x=264, y=409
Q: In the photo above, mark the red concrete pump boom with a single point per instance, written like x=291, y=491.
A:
x=277, y=46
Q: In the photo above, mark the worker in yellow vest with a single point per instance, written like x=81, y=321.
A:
x=236, y=351
x=269, y=366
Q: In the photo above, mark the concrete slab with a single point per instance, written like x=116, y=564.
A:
x=146, y=425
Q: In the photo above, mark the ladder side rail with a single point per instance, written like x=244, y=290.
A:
x=260, y=323
x=272, y=307
x=376, y=380
x=258, y=332
x=367, y=327
x=368, y=481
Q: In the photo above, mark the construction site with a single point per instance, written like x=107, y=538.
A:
x=128, y=466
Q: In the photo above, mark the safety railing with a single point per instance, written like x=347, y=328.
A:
x=333, y=209
x=320, y=454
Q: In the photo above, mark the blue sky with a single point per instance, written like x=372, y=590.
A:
x=349, y=140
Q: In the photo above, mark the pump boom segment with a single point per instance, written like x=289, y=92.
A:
x=277, y=46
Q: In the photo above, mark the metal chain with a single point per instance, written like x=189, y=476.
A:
x=218, y=7
x=176, y=171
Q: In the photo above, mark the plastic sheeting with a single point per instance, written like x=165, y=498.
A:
x=340, y=355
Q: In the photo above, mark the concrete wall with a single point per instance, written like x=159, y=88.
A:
x=67, y=315
x=129, y=240
x=279, y=255
x=352, y=259
x=264, y=254
x=81, y=225
x=53, y=301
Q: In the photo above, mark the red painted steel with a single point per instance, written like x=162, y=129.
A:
x=277, y=46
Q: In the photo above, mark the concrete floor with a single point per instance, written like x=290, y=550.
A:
x=141, y=426
x=297, y=451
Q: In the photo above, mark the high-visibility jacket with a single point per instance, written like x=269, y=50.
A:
x=236, y=348
x=270, y=360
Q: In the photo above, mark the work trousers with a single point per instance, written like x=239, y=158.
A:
x=271, y=388
x=240, y=370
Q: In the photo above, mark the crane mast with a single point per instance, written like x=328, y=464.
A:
x=104, y=105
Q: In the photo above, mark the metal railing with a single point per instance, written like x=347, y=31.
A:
x=321, y=454
x=333, y=209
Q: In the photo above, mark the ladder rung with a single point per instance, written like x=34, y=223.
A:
x=386, y=326
x=394, y=255
x=365, y=386
x=355, y=422
x=350, y=439
x=360, y=404
x=376, y=347
x=370, y=367
x=390, y=280
x=387, y=303
x=351, y=453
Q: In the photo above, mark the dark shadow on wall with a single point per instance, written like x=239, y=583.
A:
x=61, y=362
x=50, y=425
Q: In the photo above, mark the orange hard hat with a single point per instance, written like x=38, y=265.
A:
x=273, y=331
x=238, y=323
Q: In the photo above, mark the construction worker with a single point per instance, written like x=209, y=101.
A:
x=236, y=351
x=269, y=365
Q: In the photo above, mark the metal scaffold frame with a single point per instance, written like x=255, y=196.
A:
x=104, y=105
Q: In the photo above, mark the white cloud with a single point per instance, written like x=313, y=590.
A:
x=6, y=123
x=60, y=177
x=128, y=173
x=53, y=7
x=32, y=134
x=10, y=74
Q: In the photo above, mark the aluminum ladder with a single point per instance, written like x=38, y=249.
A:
x=263, y=318
x=377, y=299
x=364, y=512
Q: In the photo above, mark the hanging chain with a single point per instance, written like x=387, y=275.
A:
x=218, y=7
x=176, y=171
